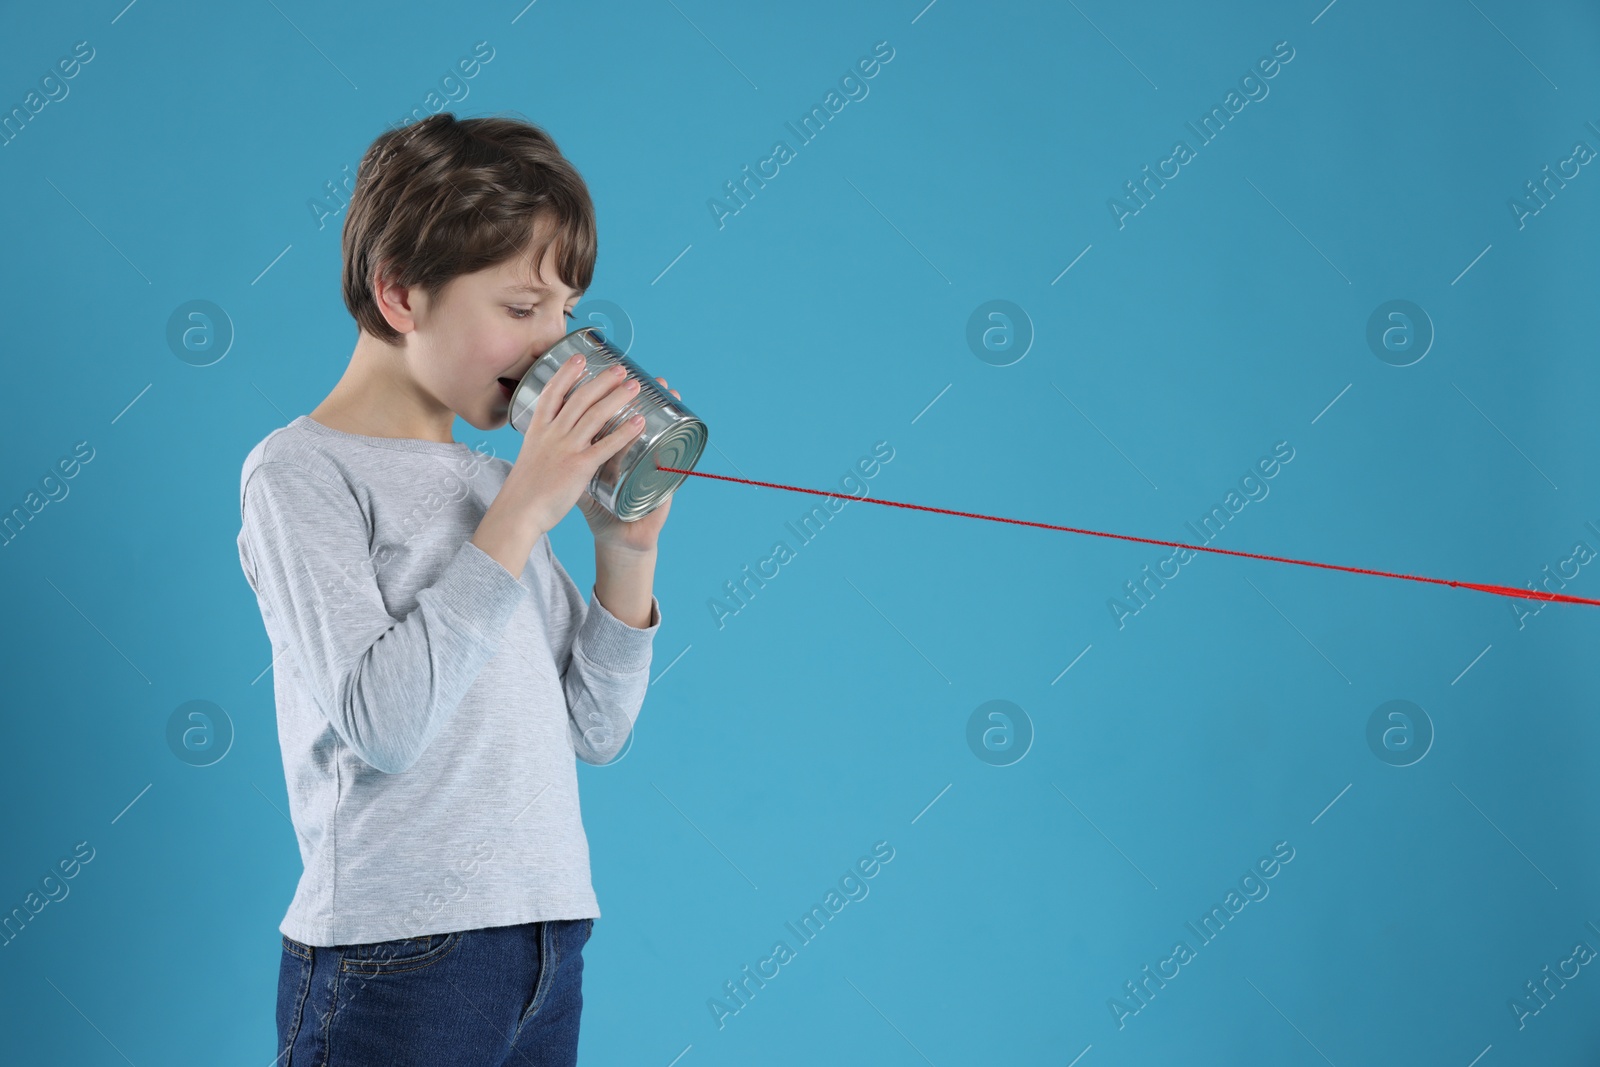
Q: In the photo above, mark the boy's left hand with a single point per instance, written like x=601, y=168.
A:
x=611, y=532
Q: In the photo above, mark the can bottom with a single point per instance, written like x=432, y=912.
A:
x=646, y=486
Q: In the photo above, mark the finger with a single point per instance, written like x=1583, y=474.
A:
x=602, y=411
x=586, y=395
x=615, y=441
x=549, y=401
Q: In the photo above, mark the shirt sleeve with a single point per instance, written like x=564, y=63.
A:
x=604, y=671
x=386, y=685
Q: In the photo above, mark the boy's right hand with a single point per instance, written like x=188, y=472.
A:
x=559, y=453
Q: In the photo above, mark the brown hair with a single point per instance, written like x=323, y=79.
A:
x=445, y=197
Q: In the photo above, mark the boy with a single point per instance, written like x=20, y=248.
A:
x=435, y=668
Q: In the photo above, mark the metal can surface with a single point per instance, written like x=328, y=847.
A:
x=629, y=484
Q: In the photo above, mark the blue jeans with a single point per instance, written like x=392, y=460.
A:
x=502, y=996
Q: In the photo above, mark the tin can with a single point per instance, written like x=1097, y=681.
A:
x=630, y=484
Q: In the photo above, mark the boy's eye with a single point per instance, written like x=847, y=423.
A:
x=522, y=313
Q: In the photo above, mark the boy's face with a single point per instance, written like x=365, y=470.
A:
x=484, y=330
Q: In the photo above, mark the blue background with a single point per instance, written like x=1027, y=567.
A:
x=832, y=712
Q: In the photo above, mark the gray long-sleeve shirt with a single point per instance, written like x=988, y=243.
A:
x=430, y=705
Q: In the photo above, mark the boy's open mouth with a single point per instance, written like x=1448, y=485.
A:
x=508, y=387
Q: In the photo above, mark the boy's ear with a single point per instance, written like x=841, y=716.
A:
x=395, y=301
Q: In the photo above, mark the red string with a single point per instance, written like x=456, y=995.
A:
x=1498, y=590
